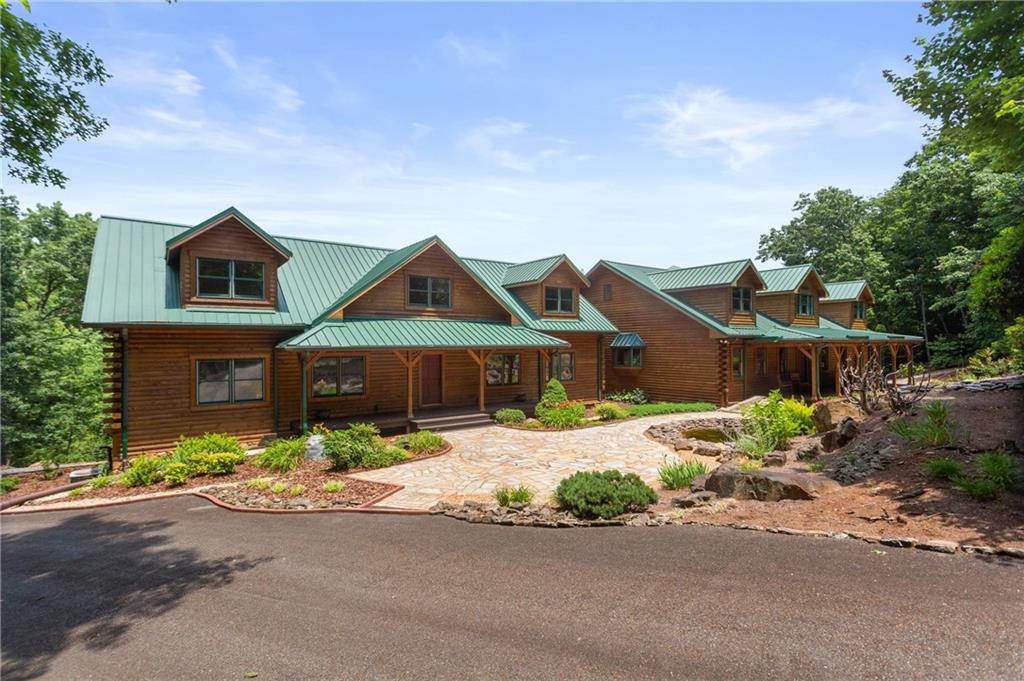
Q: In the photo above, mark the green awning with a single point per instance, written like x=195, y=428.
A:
x=370, y=334
x=628, y=340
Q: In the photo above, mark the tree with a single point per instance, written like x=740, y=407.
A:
x=999, y=284
x=42, y=75
x=51, y=396
x=969, y=78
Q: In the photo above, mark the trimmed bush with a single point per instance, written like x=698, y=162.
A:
x=282, y=455
x=680, y=475
x=603, y=494
x=634, y=396
x=143, y=471
x=609, y=411
x=509, y=416
x=219, y=463
x=565, y=415
x=944, y=467
x=658, y=408
x=421, y=442
x=176, y=473
x=513, y=495
x=205, y=444
x=554, y=395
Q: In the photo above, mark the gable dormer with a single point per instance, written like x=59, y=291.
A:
x=726, y=291
x=227, y=261
x=549, y=286
x=847, y=303
x=791, y=295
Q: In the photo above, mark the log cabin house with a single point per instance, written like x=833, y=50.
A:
x=222, y=327
x=725, y=332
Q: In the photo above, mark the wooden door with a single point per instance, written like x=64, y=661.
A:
x=430, y=380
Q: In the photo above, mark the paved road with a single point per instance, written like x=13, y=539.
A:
x=178, y=589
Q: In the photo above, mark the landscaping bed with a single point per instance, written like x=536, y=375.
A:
x=31, y=483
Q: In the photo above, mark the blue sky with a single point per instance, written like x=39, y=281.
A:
x=658, y=134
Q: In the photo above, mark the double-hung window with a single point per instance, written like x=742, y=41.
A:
x=805, y=305
x=229, y=381
x=629, y=358
x=741, y=299
x=558, y=300
x=339, y=376
x=218, y=278
x=563, y=366
x=503, y=369
x=429, y=292
x=738, y=361
x=858, y=310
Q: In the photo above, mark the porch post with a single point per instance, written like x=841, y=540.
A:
x=895, y=365
x=273, y=374
x=303, y=406
x=481, y=361
x=814, y=373
x=910, y=364
x=837, y=369
x=408, y=385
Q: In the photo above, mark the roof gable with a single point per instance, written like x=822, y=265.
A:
x=847, y=291
x=535, y=271
x=789, y=279
x=701, y=276
x=179, y=240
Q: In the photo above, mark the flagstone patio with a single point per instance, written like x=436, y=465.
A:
x=484, y=459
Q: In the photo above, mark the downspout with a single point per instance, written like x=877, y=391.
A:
x=304, y=415
x=124, y=397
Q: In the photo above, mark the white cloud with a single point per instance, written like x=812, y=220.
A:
x=421, y=130
x=143, y=71
x=253, y=76
x=698, y=122
x=476, y=53
x=490, y=142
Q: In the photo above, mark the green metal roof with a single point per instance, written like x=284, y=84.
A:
x=536, y=270
x=231, y=211
x=628, y=340
x=366, y=334
x=842, y=291
x=826, y=330
x=785, y=279
x=720, y=274
x=826, y=323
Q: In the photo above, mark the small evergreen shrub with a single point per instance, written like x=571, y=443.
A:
x=509, y=416
x=554, y=395
x=634, y=396
x=603, y=494
x=658, y=408
x=421, y=442
x=176, y=473
x=564, y=416
x=333, y=486
x=7, y=484
x=282, y=455
x=609, y=411
x=143, y=471
x=680, y=475
x=944, y=467
x=513, y=495
x=205, y=444
x=220, y=463
x=383, y=457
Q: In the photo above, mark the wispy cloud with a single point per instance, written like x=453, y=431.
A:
x=692, y=122
x=143, y=71
x=474, y=52
x=252, y=75
x=491, y=142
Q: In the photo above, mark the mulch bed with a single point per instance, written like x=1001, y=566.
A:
x=30, y=483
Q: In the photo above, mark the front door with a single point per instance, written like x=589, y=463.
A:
x=430, y=380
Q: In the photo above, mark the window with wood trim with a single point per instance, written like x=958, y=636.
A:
x=783, y=361
x=503, y=369
x=229, y=381
x=606, y=291
x=563, y=366
x=761, y=361
x=741, y=297
x=339, y=376
x=217, y=278
x=429, y=291
x=805, y=305
x=738, y=361
x=858, y=310
x=628, y=358
x=559, y=300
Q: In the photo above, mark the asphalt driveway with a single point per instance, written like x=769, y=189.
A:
x=179, y=589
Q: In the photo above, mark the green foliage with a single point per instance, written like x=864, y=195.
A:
x=603, y=494
x=382, y=457
x=144, y=470
x=102, y=481
x=362, y=432
x=360, y=446
x=219, y=463
x=259, y=484
x=999, y=467
x=608, y=411
x=513, y=495
x=279, y=487
x=680, y=475
x=51, y=470
x=44, y=74
x=769, y=424
x=509, y=416
x=998, y=285
x=817, y=465
x=748, y=465
x=634, y=396
x=658, y=408
x=333, y=486
x=798, y=414
x=421, y=442
x=554, y=395
x=979, y=489
x=944, y=467
x=79, y=491
x=282, y=455
x=564, y=416
x=297, y=490
x=176, y=473
x=7, y=484
x=206, y=444
x=935, y=429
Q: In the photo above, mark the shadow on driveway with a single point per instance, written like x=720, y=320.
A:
x=89, y=578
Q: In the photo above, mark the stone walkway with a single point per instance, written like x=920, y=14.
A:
x=483, y=459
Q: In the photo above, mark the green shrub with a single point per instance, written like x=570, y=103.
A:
x=979, y=489
x=999, y=468
x=143, y=471
x=609, y=411
x=343, y=451
x=509, y=416
x=382, y=457
x=333, y=486
x=750, y=446
x=282, y=455
x=768, y=424
x=564, y=416
x=944, y=467
x=176, y=473
x=680, y=475
x=219, y=463
x=513, y=495
x=421, y=442
x=634, y=396
x=79, y=491
x=102, y=481
x=258, y=483
x=659, y=408
x=206, y=444
x=7, y=484
x=279, y=487
x=297, y=490
x=798, y=414
x=603, y=494
x=362, y=432
x=935, y=429
x=554, y=395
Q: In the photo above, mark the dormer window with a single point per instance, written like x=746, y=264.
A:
x=218, y=278
x=558, y=300
x=429, y=292
x=858, y=310
x=805, y=305
x=741, y=297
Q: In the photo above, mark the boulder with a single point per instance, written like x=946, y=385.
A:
x=828, y=414
x=767, y=484
x=847, y=430
x=808, y=451
x=714, y=450
x=697, y=485
x=694, y=499
x=830, y=441
x=315, y=447
x=774, y=459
